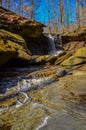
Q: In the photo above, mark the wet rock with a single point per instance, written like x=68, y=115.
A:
x=62, y=101
x=74, y=89
x=7, y=103
x=61, y=73
x=28, y=117
x=22, y=97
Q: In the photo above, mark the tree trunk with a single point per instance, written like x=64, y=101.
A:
x=77, y=13
x=0, y=2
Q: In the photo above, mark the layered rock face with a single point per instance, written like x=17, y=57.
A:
x=77, y=35
x=12, y=46
x=78, y=57
x=39, y=45
x=20, y=25
x=30, y=30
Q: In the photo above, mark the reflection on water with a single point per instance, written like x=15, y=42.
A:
x=10, y=77
x=44, y=123
x=34, y=115
x=64, y=121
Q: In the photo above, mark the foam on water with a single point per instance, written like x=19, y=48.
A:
x=52, y=48
x=52, y=45
x=43, y=123
x=18, y=104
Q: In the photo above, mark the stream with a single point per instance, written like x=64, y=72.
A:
x=29, y=102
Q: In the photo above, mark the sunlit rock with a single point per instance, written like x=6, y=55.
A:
x=20, y=25
x=81, y=52
x=12, y=46
x=71, y=61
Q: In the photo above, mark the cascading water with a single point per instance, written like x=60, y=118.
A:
x=60, y=38
x=12, y=87
x=55, y=43
x=52, y=45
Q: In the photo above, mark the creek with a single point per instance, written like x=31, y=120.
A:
x=31, y=102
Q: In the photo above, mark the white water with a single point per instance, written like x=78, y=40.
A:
x=43, y=123
x=60, y=40
x=52, y=45
x=53, y=50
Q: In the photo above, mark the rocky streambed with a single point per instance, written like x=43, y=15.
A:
x=38, y=98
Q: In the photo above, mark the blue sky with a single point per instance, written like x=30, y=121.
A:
x=42, y=14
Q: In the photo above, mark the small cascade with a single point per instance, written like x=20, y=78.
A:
x=60, y=40
x=13, y=87
x=52, y=48
x=55, y=43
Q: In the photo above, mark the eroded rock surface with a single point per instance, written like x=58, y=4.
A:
x=12, y=46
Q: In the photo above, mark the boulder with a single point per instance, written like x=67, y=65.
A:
x=20, y=25
x=30, y=30
x=12, y=46
x=81, y=52
x=71, y=61
x=61, y=73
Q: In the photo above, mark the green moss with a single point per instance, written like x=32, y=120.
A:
x=11, y=45
x=72, y=61
x=81, y=52
x=77, y=35
x=60, y=59
x=8, y=34
x=32, y=31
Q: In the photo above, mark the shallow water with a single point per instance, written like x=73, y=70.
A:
x=63, y=121
x=40, y=109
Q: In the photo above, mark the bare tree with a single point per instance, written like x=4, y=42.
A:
x=77, y=13
x=22, y=7
x=49, y=14
x=54, y=14
x=61, y=13
x=0, y=2
x=35, y=4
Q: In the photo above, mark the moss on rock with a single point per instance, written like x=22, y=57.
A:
x=81, y=52
x=20, y=25
x=71, y=61
x=78, y=35
x=12, y=46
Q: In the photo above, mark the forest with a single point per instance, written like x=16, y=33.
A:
x=58, y=15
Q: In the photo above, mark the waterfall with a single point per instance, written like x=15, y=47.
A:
x=52, y=48
x=55, y=44
x=60, y=40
